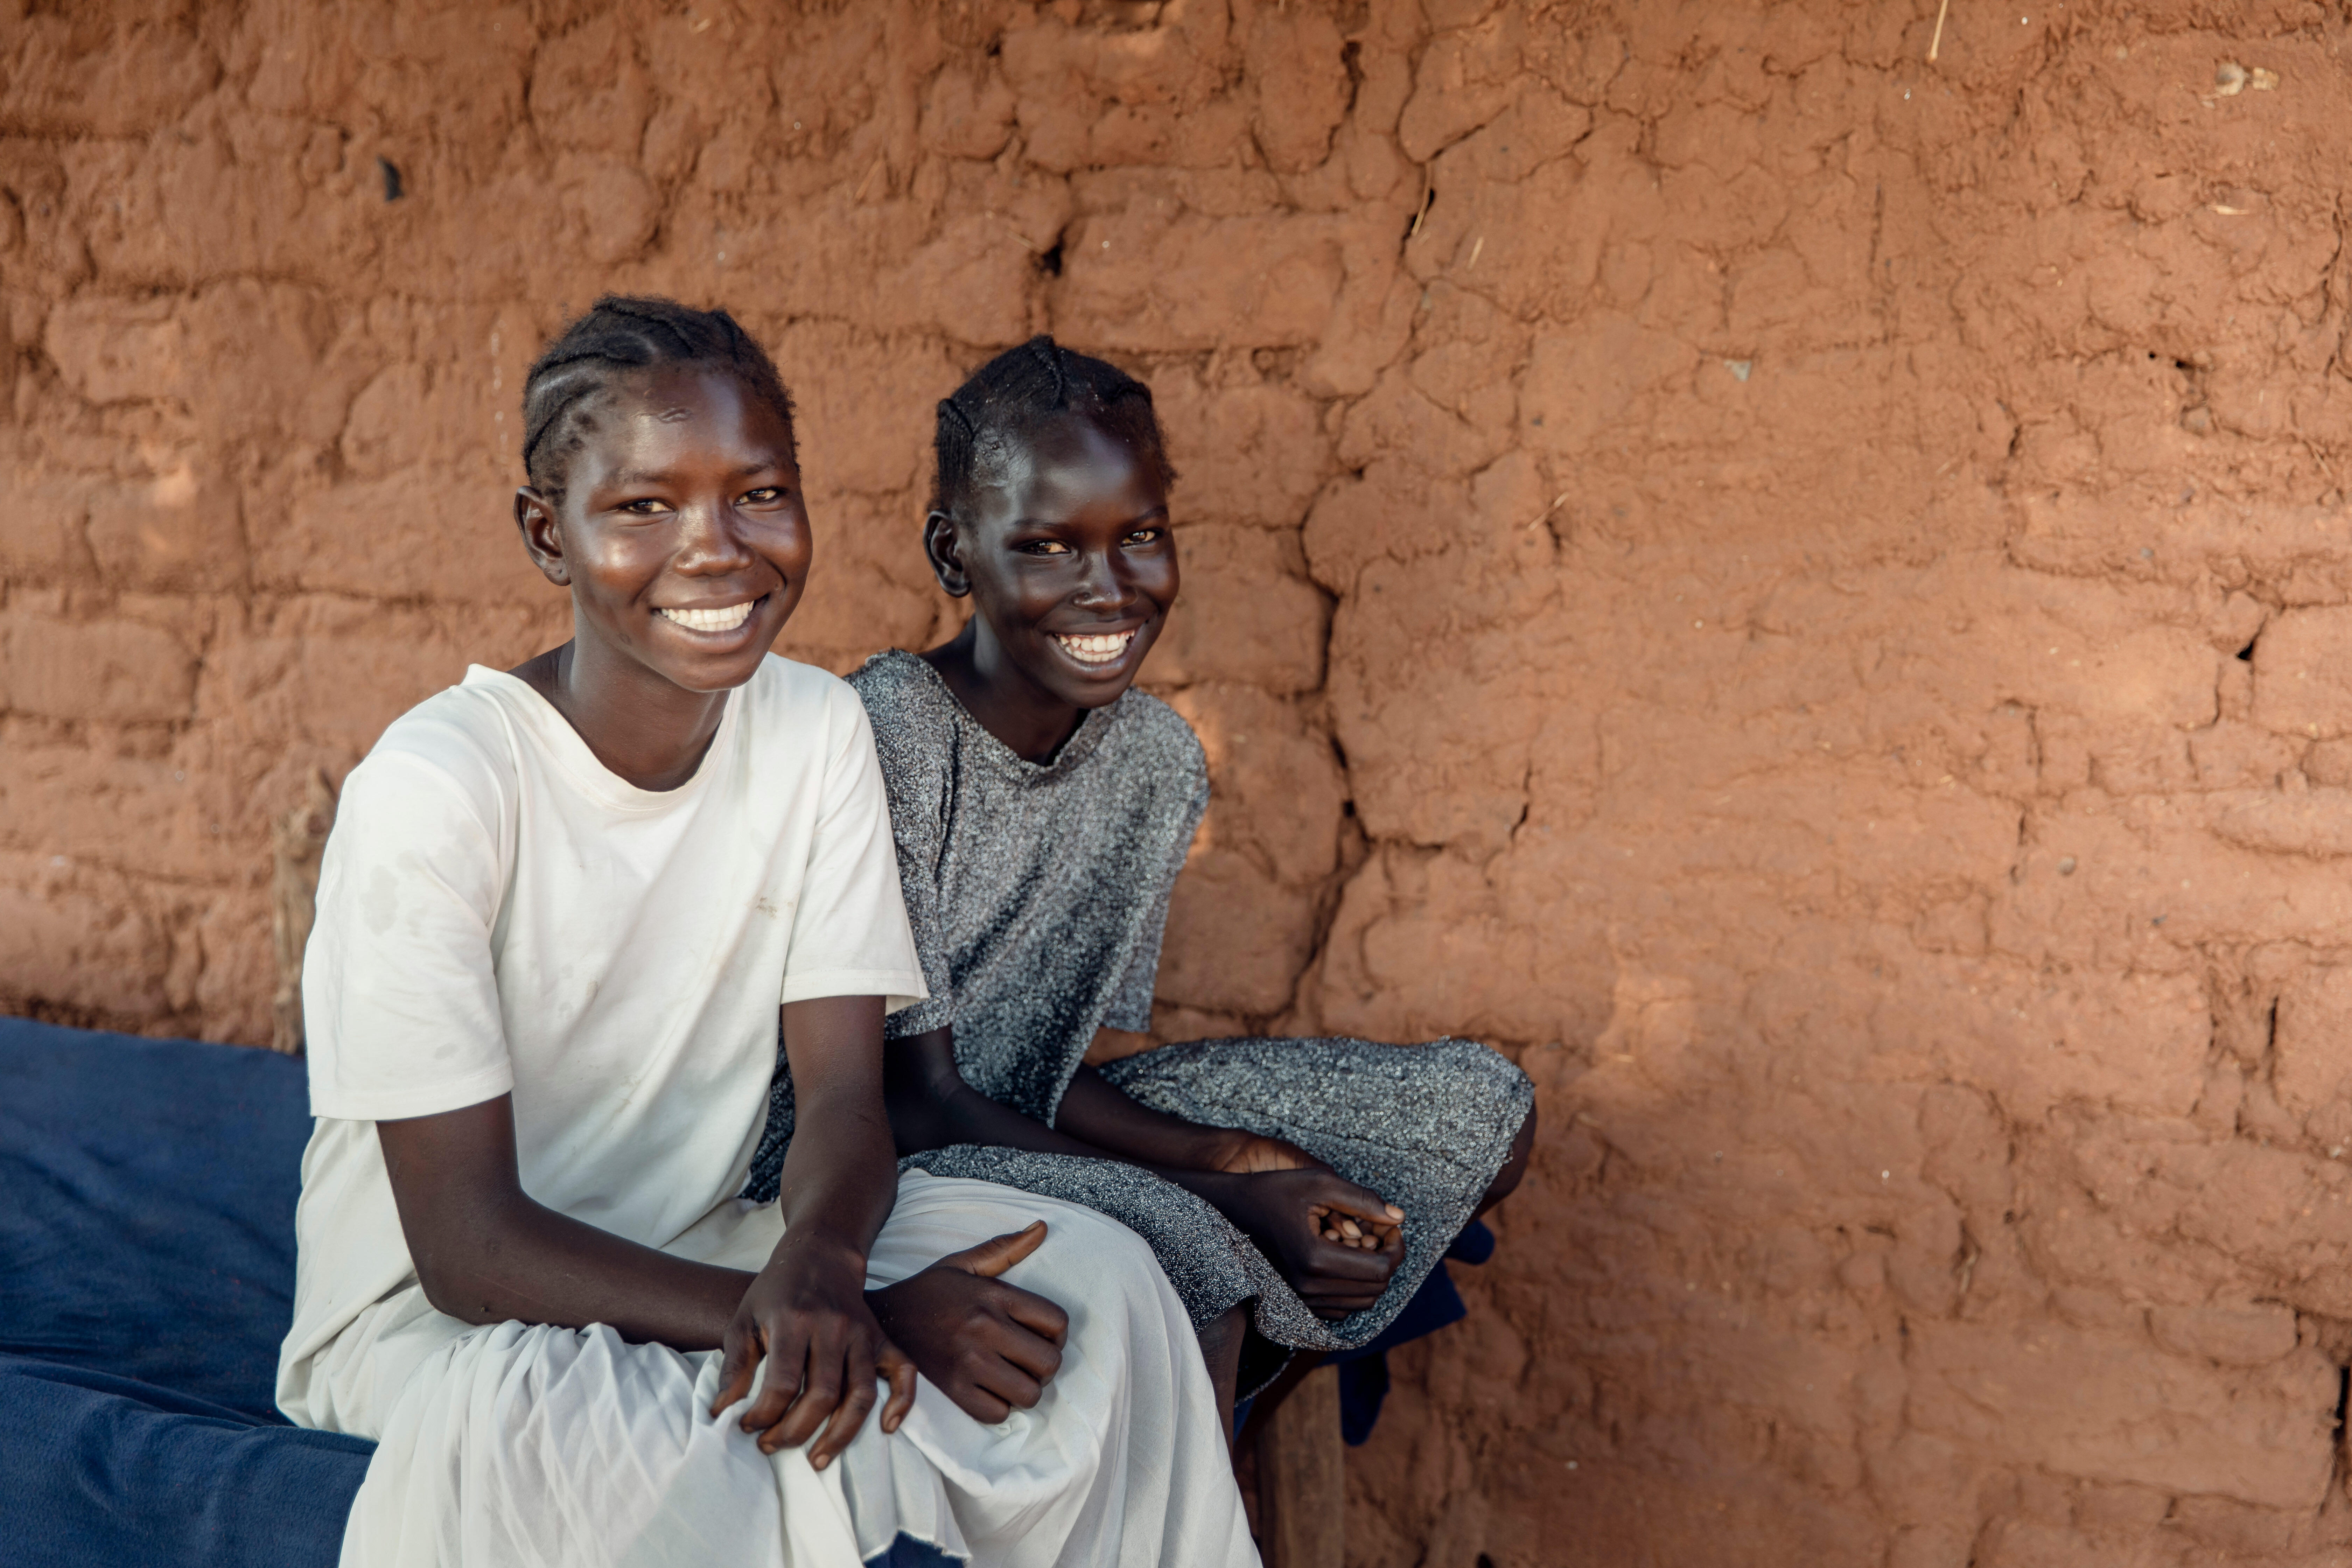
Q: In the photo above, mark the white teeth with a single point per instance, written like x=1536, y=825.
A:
x=1096, y=650
x=725, y=620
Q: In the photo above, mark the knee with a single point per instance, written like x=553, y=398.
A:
x=1514, y=1166
x=1109, y=1249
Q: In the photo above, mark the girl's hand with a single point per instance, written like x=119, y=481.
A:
x=1295, y=1214
x=1246, y=1154
x=807, y=1312
x=989, y=1346
x=1349, y=1230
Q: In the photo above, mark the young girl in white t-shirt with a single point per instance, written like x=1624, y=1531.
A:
x=561, y=911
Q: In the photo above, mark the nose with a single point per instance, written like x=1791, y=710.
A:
x=710, y=544
x=1103, y=586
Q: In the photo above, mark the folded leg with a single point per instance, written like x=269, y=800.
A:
x=532, y=1446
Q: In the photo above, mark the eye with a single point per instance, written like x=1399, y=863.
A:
x=1145, y=536
x=766, y=495
x=1042, y=547
x=644, y=507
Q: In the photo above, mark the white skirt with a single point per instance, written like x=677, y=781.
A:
x=546, y=1447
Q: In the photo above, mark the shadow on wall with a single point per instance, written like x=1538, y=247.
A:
x=1802, y=591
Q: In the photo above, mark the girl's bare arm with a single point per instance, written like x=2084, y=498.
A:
x=930, y=1105
x=1286, y=1209
x=1094, y=1111
x=805, y=1314
x=485, y=1252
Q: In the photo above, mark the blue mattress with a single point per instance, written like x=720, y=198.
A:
x=147, y=1195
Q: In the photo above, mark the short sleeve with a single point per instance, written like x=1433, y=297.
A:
x=917, y=775
x=400, y=1000
x=1130, y=1003
x=918, y=800
x=849, y=933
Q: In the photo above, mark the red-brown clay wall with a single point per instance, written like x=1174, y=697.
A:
x=1807, y=598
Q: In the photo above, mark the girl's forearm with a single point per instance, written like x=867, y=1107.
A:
x=932, y=1107
x=1093, y=1110
x=958, y=1113
x=487, y=1253
x=976, y=1119
x=840, y=1174
x=536, y=1266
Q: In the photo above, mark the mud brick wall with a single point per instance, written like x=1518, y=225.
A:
x=1804, y=593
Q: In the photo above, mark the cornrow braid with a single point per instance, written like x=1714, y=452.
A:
x=618, y=337
x=1047, y=349
x=1016, y=394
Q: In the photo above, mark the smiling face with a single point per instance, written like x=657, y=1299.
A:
x=680, y=529
x=1069, y=561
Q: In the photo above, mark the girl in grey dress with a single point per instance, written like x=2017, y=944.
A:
x=1043, y=810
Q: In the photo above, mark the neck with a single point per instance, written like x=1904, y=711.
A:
x=1001, y=698
x=646, y=729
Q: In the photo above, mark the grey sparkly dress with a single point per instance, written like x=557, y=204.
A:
x=1038, y=892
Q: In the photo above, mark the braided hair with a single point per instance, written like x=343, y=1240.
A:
x=1020, y=392
x=621, y=336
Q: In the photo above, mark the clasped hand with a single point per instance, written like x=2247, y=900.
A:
x=1336, y=1243
x=989, y=1346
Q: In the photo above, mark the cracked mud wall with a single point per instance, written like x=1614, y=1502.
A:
x=1804, y=593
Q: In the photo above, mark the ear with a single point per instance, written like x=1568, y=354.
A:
x=945, y=552
x=542, y=539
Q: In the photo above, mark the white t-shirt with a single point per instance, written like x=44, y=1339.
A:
x=499, y=911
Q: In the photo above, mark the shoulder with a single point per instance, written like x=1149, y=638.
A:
x=457, y=743
x=782, y=683
x=913, y=717
x=789, y=701
x=900, y=691
x=1157, y=734
x=441, y=780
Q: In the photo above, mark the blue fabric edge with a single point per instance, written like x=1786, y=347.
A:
x=907, y=1552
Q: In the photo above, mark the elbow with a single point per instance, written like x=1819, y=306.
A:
x=452, y=1291
x=1515, y=1164
x=915, y=1124
x=458, y=1282
x=920, y=1087
x=439, y=1295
